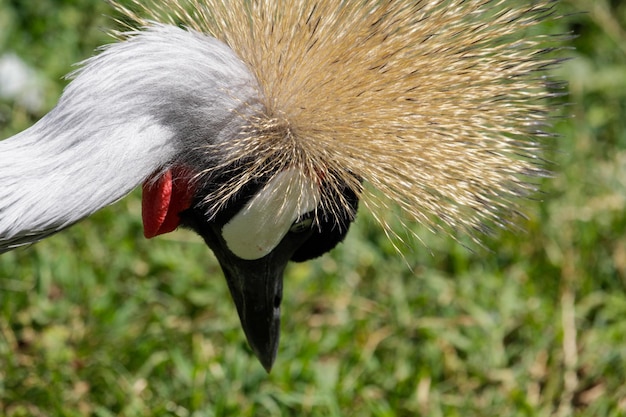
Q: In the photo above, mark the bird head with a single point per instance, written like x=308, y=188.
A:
x=438, y=112
x=262, y=125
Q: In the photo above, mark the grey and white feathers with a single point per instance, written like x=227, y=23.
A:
x=140, y=105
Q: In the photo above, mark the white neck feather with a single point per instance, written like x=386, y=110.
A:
x=127, y=114
x=46, y=188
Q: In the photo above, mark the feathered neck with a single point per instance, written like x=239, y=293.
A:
x=138, y=108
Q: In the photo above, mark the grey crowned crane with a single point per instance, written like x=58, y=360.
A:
x=262, y=124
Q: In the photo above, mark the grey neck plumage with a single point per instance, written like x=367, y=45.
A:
x=140, y=106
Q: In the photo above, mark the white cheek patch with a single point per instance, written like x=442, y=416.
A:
x=263, y=222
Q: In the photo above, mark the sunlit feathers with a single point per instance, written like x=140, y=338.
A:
x=438, y=106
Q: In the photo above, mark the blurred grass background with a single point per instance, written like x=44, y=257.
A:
x=98, y=321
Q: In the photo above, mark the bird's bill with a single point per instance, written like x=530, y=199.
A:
x=257, y=290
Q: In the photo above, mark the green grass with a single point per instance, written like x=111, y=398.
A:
x=99, y=321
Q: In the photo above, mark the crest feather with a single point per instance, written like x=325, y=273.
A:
x=438, y=105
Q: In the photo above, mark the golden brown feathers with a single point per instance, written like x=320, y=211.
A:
x=438, y=105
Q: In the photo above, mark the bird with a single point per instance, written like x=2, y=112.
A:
x=263, y=125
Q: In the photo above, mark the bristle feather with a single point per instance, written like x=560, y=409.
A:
x=436, y=104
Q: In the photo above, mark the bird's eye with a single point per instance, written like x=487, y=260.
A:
x=301, y=225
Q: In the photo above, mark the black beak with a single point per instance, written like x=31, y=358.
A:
x=257, y=290
x=256, y=285
x=256, y=282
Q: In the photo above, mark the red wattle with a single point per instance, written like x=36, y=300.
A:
x=163, y=200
